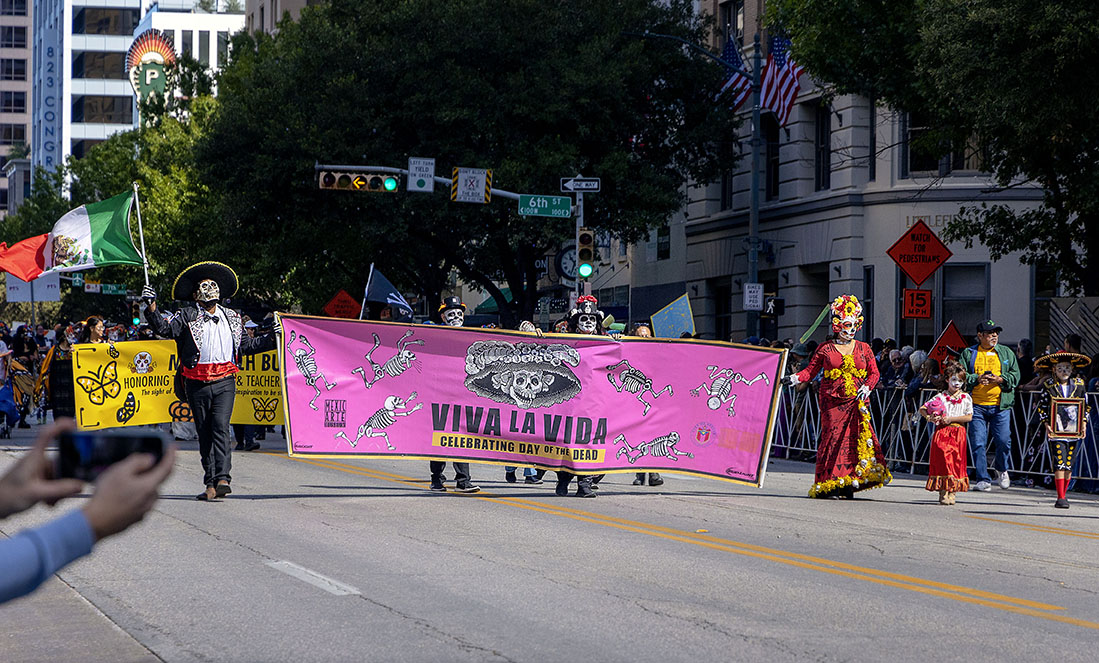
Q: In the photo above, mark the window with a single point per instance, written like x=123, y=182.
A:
x=13, y=102
x=964, y=295
x=663, y=242
x=726, y=190
x=872, y=164
x=622, y=295
x=99, y=21
x=921, y=153
x=13, y=134
x=204, y=47
x=723, y=311
x=223, y=49
x=94, y=64
x=262, y=25
x=106, y=110
x=3, y=198
x=188, y=43
x=868, y=301
x=770, y=156
x=732, y=21
x=13, y=7
x=13, y=69
x=822, y=148
x=1046, y=287
x=13, y=36
x=80, y=147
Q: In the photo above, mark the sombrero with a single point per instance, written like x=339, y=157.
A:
x=1047, y=362
x=187, y=281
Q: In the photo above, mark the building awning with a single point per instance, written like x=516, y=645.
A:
x=489, y=306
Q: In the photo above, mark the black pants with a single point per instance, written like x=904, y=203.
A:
x=212, y=406
x=461, y=472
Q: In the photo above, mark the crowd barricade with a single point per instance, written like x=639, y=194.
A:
x=906, y=437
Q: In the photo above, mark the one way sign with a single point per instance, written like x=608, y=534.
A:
x=590, y=184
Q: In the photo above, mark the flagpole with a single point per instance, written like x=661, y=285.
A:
x=141, y=234
x=366, y=292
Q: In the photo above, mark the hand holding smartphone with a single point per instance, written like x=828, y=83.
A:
x=84, y=455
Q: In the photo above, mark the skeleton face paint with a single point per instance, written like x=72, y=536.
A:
x=845, y=328
x=208, y=291
x=587, y=324
x=454, y=317
x=1063, y=371
x=955, y=384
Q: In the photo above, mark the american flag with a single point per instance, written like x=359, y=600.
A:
x=741, y=84
x=779, y=88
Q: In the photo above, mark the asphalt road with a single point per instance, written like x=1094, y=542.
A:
x=316, y=560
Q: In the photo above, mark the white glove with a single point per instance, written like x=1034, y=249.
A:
x=276, y=328
x=791, y=380
x=148, y=294
x=863, y=393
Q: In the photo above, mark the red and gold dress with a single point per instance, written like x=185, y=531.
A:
x=849, y=457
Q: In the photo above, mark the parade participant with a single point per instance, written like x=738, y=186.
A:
x=55, y=379
x=453, y=314
x=1064, y=383
x=585, y=319
x=849, y=457
x=9, y=411
x=208, y=339
x=992, y=374
x=949, y=410
x=93, y=331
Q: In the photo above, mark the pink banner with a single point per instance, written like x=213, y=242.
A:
x=589, y=404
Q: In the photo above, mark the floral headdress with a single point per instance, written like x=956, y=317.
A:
x=846, y=306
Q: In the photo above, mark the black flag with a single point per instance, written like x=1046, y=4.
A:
x=379, y=289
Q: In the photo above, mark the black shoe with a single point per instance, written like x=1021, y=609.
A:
x=23, y=424
x=509, y=476
x=223, y=489
x=639, y=480
x=438, y=486
x=655, y=480
x=252, y=446
x=585, y=493
x=562, y=489
x=467, y=488
x=239, y=447
x=1061, y=503
x=533, y=480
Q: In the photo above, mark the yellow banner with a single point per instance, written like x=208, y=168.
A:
x=131, y=384
x=259, y=391
x=126, y=384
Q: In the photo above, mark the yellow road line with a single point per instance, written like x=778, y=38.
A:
x=1040, y=528
x=933, y=588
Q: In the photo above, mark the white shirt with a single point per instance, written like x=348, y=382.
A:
x=217, y=338
x=959, y=407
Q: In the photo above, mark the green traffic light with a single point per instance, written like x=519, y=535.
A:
x=390, y=183
x=137, y=321
x=585, y=270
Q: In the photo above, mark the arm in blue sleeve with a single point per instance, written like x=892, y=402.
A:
x=32, y=556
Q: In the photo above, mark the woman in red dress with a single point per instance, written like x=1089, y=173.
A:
x=849, y=457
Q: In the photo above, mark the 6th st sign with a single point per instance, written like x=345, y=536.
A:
x=554, y=206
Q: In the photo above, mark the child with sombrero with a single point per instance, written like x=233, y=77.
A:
x=1063, y=383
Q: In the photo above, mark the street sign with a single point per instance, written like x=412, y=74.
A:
x=342, y=305
x=919, y=253
x=589, y=184
x=421, y=174
x=91, y=287
x=774, y=307
x=555, y=206
x=45, y=288
x=753, y=296
x=471, y=185
x=917, y=304
x=112, y=289
x=949, y=343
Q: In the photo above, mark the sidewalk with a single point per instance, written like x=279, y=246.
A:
x=55, y=623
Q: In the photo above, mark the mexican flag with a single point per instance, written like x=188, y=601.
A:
x=89, y=236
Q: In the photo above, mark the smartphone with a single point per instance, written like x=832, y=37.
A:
x=85, y=454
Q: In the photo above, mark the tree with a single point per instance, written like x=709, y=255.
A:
x=533, y=90
x=1017, y=76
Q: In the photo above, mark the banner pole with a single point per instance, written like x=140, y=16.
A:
x=141, y=234
x=366, y=292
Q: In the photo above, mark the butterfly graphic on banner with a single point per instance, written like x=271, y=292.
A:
x=265, y=408
x=101, y=384
x=128, y=409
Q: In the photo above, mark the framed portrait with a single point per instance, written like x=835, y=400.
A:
x=1068, y=417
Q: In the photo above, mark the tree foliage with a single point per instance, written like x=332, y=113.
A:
x=533, y=90
x=1018, y=76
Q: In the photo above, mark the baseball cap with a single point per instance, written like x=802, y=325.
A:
x=989, y=326
x=250, y=325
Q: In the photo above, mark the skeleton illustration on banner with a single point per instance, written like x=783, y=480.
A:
x=720, y=387
x=142, y=363
x=395, y=365
x=385, y=417
x=634, y=381
x=306, y=362
x=661, y=447
x=527, y=375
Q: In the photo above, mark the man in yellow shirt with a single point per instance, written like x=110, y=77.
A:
x=992, y=373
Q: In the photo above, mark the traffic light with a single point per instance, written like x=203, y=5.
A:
x=585, y=252
x=135, y=312
x=346, y=181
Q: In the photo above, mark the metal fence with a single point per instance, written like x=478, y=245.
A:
x=906, y=437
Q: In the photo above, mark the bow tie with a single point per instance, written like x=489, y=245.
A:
x=211, y=318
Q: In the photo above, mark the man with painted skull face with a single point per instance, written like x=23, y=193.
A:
x=849, y=457
x=453, y=314
x=586, y=319
x=1063, y=383
x=208, y=339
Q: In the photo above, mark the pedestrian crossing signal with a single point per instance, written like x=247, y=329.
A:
x=346, y=181
x=585, y=252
